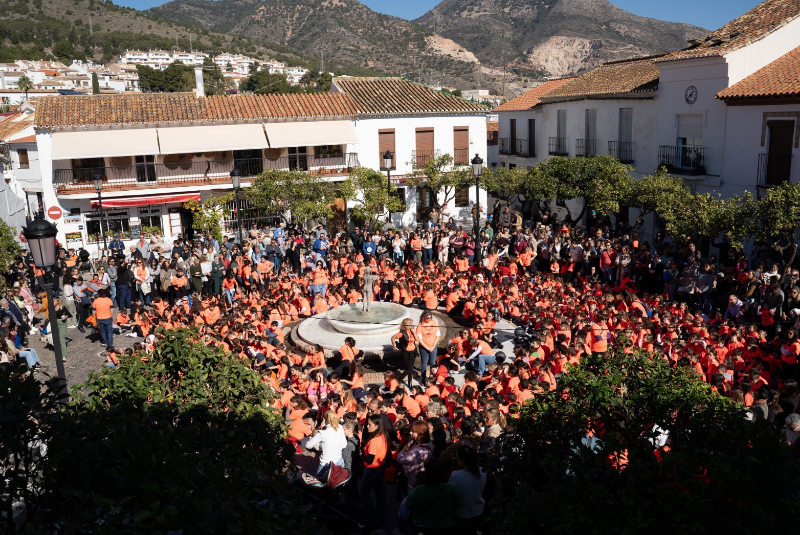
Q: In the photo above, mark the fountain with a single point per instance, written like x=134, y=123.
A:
x=372, y=330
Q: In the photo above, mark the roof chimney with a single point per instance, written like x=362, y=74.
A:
x=200, y=89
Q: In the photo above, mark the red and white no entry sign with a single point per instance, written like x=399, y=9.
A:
x=54, y=212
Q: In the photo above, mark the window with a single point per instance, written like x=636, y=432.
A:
x=114, y=222
x=561, y=124
x=625, y=134
x=145, y=168
x=82, y=168
x=532, y=138
x=150, y=216
x=327, y=150
x=690, y=130
x=460, y=145
x=23, y=159
x=386, y=142
x=424, y=151
x=462, y=197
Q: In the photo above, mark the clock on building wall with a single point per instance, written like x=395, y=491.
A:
x=691, y=94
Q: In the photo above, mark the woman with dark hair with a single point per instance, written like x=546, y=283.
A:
x=433, y=504
x=469, y=483
x=374, y=453
x=415, y=451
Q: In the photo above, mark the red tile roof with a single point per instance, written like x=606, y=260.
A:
x=292, y=105
x=12, y=125
x=492, y=126
x=752, y=26
x=781, y=78
x=532, y=98
x=613, y=78
x=26, y=139
x=396, y=96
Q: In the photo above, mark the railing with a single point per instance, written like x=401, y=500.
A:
x=522, y=147
x=461, y=156
x=773, y=169
x=683, y=159
x=585, y=147
x=621, y=150
x=147, y=175
x=557, y=146
x=421, y=158
x=505, y=145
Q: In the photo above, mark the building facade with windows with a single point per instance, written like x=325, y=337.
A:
x=154, y=152
x=21, y=186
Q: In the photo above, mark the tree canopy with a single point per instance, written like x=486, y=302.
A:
x=442, y=178
x=264, y=83
x=206, y=215
x=626, y=444
x=9, y=249
x=504, y=183
x=368, y=189
x=177, y=77
x=293, y=195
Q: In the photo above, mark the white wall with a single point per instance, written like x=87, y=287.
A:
x=745, y=61
x=504, y=132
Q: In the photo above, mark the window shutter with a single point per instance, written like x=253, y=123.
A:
x=460, y=144
x=591, y=124
x=425, y=141
x=386, y=142
x=690, y=126
x=24, y=163
x=625, y=125
x=561, y=125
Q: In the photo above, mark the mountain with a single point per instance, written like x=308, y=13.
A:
x=555, y=37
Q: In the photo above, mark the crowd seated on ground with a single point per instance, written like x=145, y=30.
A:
x=731, y=317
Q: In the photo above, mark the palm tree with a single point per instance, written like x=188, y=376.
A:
x=25, y=84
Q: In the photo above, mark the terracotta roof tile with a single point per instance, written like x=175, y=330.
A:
x=12, y=125
x=492, y=126
x=781, y=78
x=532, y=98
x=395, y=96
x=268, y=106
x=26, y=139
x=752, y=26
x=614, y=78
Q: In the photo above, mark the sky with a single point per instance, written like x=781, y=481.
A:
x=709, y=14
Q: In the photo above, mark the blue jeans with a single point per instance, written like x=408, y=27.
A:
x=113, y=288
x=321, y=288
x=106, y=330
x=483, y=360
x=426, y=359
x=373, y=481
x=30, y=356
x=427, y=255
x=124, y=300
x=145, y=298
x=229, y=294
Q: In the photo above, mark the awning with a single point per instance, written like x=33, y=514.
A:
x=144, y=201
x=193, y=139
x=100, y=143
x=310, y=133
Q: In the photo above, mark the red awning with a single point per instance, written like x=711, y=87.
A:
x=144, y=201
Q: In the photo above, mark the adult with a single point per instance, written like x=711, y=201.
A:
x=405, y=341
x=428, y=333
x=469, y=483
x=415, y=451
x=331, y=441
x=374, y=452
x=104, y=315
x=434, y=503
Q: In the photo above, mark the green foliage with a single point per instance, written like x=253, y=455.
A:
x=182, y=441
x=368, y=188
x=177, y=77
x=442, y=178
x=504, y=183
x=95, y=84
x=213, y=80
x=9, y=249
x=296, y=194
x=207, y=215
x=716, y=459
x=25, y=84
x=264, y=83
x=65, y=52
x=655, y=193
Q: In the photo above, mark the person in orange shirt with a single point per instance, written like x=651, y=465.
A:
x=104, y=316
x=429, y=300
x=428, y=334
x=405, y=341
x=482, y=352
x=374, y=454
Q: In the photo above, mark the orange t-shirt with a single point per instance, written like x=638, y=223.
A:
x=102, y=306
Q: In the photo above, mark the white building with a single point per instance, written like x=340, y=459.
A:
x=156, y=151
x=20, y=165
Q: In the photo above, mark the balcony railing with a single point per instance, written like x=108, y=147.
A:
x=505, y=145
x=421, y=158
x=557, y=146
x=585, y=147
x=150, y=175
x=521, y=147
x=621, y=150
x=461, y=156
x=773, y=169
x=683, y=159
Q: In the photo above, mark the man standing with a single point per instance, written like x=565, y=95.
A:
x=321, y=247
x=104, y=315
x=111, y=271
x=117, y=247
x=428, y=335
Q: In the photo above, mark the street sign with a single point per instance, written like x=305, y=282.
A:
x=54, y=212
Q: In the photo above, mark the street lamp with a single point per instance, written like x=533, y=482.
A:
x=41, y=238
x=97, y=178
x=236, y=179
x=477, y=167
x=387, y=164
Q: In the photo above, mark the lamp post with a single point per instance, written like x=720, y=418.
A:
x=97, y=178
x=41, y=238
x=236, y=179
x=477, y=167
x=387, y=164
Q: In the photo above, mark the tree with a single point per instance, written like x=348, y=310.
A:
x=442, y=178
x=9, y=249
x=95, y=84
x=64, y=51
x=264, y=83
x=703, y=215
x=654, y=193
x=368, y=188
x=626, y=444
x=504, y=183
x=229, y=67
x=180, y=439
x=25, y=84
x=213, y=79
x=539, y=186
x=253, y=67
x=206, y=215
x=779, y=214
x=298, y=195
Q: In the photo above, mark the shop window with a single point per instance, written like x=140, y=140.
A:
x=150, y=219
x=114, y=221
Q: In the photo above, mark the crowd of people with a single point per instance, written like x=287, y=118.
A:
x=731, y=317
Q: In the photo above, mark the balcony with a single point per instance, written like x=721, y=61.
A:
x=505, y=145
x=585, y=147
x=522, y=148
x=773, y=169
x=621, y=150
x=683, y=159
x=421, y=158
x=557, y=146
x=153, y=175
x=461, y=156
